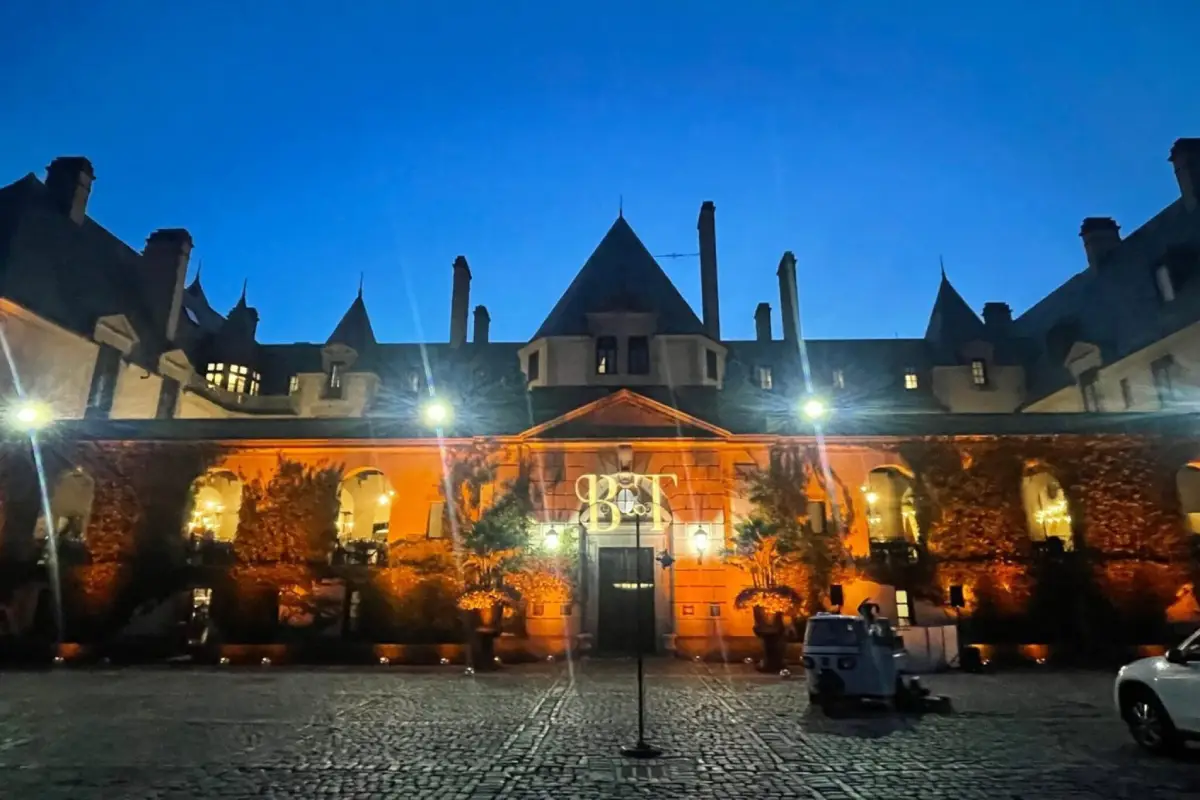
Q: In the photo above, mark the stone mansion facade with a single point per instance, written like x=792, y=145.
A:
x=623, y=376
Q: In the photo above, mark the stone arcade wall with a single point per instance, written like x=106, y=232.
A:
x=1133, y=549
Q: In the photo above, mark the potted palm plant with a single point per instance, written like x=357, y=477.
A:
x=759, y=551
x=485, y=599
x=492, y=542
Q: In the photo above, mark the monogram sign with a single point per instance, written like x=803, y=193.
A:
x=620, y=495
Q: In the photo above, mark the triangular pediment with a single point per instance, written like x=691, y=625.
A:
x=625, y=415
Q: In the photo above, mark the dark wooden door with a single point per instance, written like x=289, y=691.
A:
x=625, y=608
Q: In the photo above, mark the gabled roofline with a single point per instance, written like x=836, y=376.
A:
x=625, y=396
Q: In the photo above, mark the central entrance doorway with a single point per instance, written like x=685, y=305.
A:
x=623, y=604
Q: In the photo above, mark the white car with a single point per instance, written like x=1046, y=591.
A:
x=1159, y=697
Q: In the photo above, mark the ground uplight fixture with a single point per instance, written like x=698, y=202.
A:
x=30, y=416
x=550, y=540
x=436, y=412
x=814, y=408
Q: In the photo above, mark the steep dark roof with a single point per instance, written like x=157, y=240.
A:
x=620, y=275
x=952, y=322
x=354, y=330
x=872, y=372
x=71, y=274
x=1117, y=306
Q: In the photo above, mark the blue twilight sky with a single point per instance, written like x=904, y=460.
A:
x=305, y=142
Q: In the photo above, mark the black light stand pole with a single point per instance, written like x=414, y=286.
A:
x=641, y=749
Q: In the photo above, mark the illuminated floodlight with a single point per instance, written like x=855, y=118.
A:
x=436, y=413
x=550, y=540
x=814, y=408
x=30, y=416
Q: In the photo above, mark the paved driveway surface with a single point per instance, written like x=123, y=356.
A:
x=552, y=732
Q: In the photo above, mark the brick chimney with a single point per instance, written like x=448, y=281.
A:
x=997, y=316
x=1185, y=156
x=789, y=305
x=1100, y=235
x=165, y=263
x=762, y=322
x=69, y=181
x=460, y=301
x=710, y=297
x=483, y=324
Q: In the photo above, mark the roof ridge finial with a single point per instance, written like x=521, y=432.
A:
x=620, y=206
x=245, y=286
x=942, y=264
x=361, y=276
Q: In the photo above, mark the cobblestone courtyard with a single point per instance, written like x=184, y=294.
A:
x=552, y=732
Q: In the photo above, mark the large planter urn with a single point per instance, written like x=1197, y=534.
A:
x=486, y=628
x=768, y=627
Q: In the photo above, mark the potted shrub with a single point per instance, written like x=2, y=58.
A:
x=492, y=542
x=485, y=600
x=758, y=552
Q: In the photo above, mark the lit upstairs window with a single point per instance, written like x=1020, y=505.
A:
x=215, y=375
x=235, y=378
x=606, y=355
x=333, y=381
x=294, y=384
x=979, y=375
x=839, y=379
x=910, y=380
x=765, y=379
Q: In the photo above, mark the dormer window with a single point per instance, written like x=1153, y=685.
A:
x=910, y=379
x=1089, y=385
x=839, y=379
x=293, y=384
x=235, y=378
x=534, y=366
x=979, y=375
x=1166, y=286
x=639, y=355
x=333, y=380
x=414, y=381
x=606, y=355
x=765, y=379
x=710, y=364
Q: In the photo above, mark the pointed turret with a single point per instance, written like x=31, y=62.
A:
x=354, y=330
x=952, y=321
x=620, y=275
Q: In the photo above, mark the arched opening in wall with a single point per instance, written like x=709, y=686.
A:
x=364, y=507
x=216, y=502
x=890, y=500
x=1047, y=511
x=70, y=508
x=1187, y=484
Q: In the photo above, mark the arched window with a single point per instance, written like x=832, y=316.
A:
x=364, y=507
x=70, y=506
x=891, y=506
x=216, y=501
x=1187, y=483
x=1046, y=508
